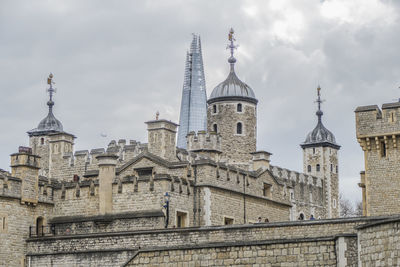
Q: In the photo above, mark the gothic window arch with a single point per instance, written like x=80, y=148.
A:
x=318, y=168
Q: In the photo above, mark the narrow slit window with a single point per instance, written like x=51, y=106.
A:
x=239, y=128
x=309, y=168
x=214, y=108
x=383, y=149
x=215, y=128
x=239, y=107
x=318, y=167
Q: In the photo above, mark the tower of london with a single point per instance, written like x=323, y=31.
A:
x=216, y=200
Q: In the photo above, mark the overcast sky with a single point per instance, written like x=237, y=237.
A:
x=116, y=63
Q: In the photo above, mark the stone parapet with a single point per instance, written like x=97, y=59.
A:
x=204, y=141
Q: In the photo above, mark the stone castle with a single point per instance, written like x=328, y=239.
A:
x=156, y=204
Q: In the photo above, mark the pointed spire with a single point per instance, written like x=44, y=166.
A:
x=319, y=112
x=231, y=46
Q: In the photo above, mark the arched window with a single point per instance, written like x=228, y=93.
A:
x=239, y=127
x=318, y=167
x=309, y=168
x=42, y=141
x=215, y=128
x=214, y=108
x=39, y=226
x=239, y=107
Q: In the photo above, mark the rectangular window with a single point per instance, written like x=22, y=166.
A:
x=181, y=219
x=267, y=190
x=228, y=221
x=383, y=149
x=145, y=171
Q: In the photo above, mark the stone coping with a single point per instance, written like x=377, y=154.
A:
x=391, y=105
x=89, y=251
x=367, y=108
x=107, y=217
x=211, y=228
x=395, y=218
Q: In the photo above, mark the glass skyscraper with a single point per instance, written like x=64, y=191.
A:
x=193, y=116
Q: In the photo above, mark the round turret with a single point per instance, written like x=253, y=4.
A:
x=232, y=113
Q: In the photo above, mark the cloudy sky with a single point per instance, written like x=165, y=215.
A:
x=116, y=63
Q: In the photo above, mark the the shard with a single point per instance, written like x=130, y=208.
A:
x=193, y=116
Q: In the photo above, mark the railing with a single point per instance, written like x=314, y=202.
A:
x=39, y=231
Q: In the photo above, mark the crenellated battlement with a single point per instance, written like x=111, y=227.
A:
x=203, y=141
x=372, y=121
x=377, y=128
x=296, y=177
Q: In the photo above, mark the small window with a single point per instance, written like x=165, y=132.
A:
x=267, y=190
x=309, y=168
x=239, y=107
x=291, y=195
x=331, y=167
x=337, y=169
x=334, y=203
x=383, y=149
x=145, y=171
x=214, y=109
x=181, y=218
x=318, y=167
x=39, y=226
x=313, y=150
x=228, y=221
x=3, y=224
x=239, y=127
x=215, y=128
x=42, y=141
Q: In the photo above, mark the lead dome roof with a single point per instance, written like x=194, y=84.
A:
x=320, y=135
x=48, y=125
x=232, y=87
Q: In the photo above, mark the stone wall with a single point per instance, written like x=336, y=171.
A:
x=380, y=243
x=318, y=252
x=16, y=218
x=317, y=237
x=235, y=147
x=118, y=222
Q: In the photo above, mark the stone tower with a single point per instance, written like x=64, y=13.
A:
x=378, y=132
x=320, y=159
x=232, y=113
x=161, y=138
x=193, y=116
x=48, y=140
